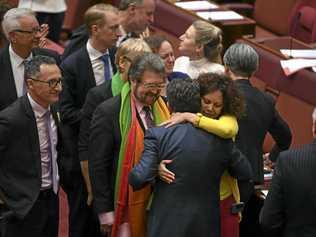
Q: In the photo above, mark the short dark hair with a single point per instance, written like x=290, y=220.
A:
x=232, y=98
x=33, y=66
x=184, y=95
x=155, y=42
x=124, y=4
x=146, y=62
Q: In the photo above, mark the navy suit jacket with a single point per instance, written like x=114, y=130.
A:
x=290, y=206
x=7, y=89
x=20, y=158
x=199, y=159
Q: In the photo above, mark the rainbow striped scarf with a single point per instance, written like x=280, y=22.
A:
x=130, y=153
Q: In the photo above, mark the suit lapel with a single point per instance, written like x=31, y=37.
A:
x=32, y=131
x=7, y=75
x=86, y=64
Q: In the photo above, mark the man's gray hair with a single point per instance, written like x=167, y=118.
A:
x=314, y=116
x=146, y=62
x=125, y=3
x=241, y=59
x=11, y=19
x=33, y=66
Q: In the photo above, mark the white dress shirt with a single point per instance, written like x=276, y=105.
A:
x=97, y=64
x=47, y=159
x=196, y=67
x=49, y=6
x=18, y=70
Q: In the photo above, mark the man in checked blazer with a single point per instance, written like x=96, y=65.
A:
x=290, y=207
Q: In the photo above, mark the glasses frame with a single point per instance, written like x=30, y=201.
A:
x=52, y=83
x=33, y=31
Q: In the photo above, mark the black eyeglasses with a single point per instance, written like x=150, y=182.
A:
x=33, y=31
x=52, y=83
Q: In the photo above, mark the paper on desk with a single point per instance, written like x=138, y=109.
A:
x=220, y=15
x=196, y=5
x=293, y=65
x=299, y=53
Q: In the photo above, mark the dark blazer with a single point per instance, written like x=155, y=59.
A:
x=104, y=147
x=94, y=97
x=260, y=117
x=7, y=89
x=20, y=158
x=191, y=202
x=291, y=202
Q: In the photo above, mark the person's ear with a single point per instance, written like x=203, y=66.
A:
x=121, y=64
x=314, y=129
x=131, y=10
x=29, y=84
x=12, y=37
x=199, y=50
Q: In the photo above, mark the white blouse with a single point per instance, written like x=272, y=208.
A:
x=196, y=67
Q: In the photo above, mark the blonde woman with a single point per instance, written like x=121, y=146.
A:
x=201, y=47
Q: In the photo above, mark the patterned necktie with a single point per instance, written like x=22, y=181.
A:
x=149, y=121
x=51, y=151
x=107, y=72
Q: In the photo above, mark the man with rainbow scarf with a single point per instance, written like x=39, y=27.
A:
x=116, y=144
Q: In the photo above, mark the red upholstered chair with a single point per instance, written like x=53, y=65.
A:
x=303, y=21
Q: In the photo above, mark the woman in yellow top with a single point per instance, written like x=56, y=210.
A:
x=221, y=105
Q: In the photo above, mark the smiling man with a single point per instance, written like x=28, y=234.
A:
x=116, y=144
x=23, y=32
x=29, y=176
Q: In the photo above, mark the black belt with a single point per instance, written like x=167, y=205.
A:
x=46, y=194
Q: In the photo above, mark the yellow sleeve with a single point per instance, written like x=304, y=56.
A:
x=226, y=126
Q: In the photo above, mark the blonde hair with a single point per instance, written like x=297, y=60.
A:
x=95, y=14
x=131, y=48
x=210, y=37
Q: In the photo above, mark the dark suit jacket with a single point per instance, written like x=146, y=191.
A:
x=260, y=117
x=20, y=158
x=104, y=147
x=7, y=89
x=78, y=80
x=94, y=97
x=191, y=202
x=291, y=202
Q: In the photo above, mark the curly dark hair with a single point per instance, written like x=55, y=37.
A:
x=232, y=98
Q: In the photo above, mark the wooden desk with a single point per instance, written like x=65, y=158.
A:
x=176, y=20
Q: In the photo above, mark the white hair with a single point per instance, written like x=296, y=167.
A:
x=11, y=19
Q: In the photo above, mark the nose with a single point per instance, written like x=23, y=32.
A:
x=151, y=18
x=171, y=58
x=118, y=32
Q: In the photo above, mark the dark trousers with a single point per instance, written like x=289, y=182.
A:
x=82, y=220
x=41, y=221
x=249, y=225
x=55, y=22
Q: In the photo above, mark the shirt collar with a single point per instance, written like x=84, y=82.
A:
x=16, y=58
x=94, y=53
x=139, y=105
x=39, y=111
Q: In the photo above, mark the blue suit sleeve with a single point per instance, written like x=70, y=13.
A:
x=147, y=168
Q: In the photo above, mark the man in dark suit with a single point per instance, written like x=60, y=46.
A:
x=174, y=205
x=29, y=176
x=90, y=66
x=135, y=18
x=241, y=62
x=290, y=207
x=141, y=95
x=23, y=32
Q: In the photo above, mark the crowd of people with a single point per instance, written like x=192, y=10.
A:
x=143, y=143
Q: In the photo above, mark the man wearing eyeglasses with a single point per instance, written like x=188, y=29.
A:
x=29, y=177
x=116, y=143
x=23, y=32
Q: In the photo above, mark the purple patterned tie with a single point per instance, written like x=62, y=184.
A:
x=149, y=121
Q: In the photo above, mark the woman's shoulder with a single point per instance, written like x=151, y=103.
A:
x=215, y=68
